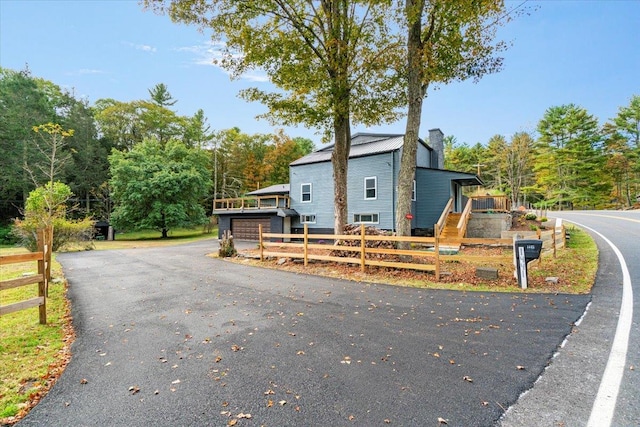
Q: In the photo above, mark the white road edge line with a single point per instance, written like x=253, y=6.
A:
x=605, y=403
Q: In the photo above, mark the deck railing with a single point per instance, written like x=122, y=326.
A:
x=251, y=203
x=491, y=204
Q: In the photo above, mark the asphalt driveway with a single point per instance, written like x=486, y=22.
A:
x=170, y=337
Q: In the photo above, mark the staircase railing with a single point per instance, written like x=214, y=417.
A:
x=464, y=219
x=443, y=218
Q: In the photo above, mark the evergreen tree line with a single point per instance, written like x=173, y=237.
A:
x=569, y=162
x=95, y=136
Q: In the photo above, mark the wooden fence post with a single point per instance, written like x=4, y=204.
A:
x=539, y=235
x=44, y=248
x=437, y=253
x=260, y=242
x=306, y=243
x=363, y=251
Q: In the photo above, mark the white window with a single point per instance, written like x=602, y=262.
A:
x=308, y=218
x=366, y=218
x=305, y=193
x=370, y=188
x=413, y=192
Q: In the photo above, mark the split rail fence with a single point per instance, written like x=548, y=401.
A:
x=319, y=247
x=43, y=259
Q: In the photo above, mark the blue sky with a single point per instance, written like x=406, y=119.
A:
x=581, y=52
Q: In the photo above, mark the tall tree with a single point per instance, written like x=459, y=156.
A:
x=88, y=168
x=284, y=151
x=161, y=97
x=51, y=155
x=23, y=104
x=621, y=162
x=329, y=61
x=125, y=124
x=627, y=128
x=569, y=160
x=496, y=162
x=517, y=165
x=446, y=41
x=239, y=164
x=159, y=186
x=197, y=131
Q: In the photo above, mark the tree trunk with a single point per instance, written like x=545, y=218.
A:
x=165, y=230
x=340, y=161
x=416, y=91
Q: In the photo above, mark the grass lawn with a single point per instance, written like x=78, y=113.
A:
x=152, y=238
x=31, y=355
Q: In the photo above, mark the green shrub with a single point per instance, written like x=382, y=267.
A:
x=65, y=233
x=46, y=207
x=531, y=216
x=6, y=235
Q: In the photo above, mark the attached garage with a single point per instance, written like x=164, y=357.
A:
x=247, y=228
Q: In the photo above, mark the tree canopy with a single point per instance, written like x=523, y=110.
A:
x=159, y=186
x=329, y=62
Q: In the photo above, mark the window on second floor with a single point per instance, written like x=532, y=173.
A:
x=305, y=193
x=370, y=188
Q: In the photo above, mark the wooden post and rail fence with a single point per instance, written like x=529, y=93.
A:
x=424, y=249
x=43, y=259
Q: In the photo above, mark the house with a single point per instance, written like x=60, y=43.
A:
x=374, y=163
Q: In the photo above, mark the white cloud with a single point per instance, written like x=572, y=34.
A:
x=142, y=47
x=90, y=71
x=210, y=53
x=85, y=72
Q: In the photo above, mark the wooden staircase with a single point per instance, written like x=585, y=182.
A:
x=449, y=240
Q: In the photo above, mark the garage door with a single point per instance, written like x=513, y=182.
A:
x=247, y=228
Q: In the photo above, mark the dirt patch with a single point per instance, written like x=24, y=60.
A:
x=525, y=221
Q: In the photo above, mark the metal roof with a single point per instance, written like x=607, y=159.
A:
x=362, y=144
x=272, y=189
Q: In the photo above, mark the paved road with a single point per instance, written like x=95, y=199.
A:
x=170, y=337
x=575, y=391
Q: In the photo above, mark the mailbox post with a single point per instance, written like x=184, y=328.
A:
x=525, y=251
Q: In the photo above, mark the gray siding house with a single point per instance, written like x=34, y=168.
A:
x=374, y=164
